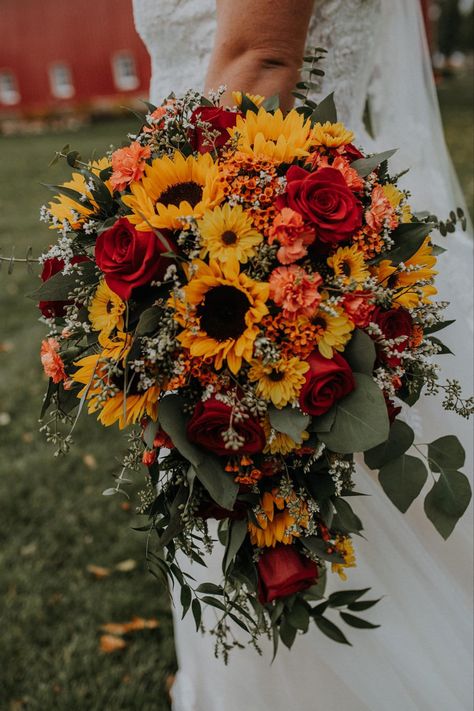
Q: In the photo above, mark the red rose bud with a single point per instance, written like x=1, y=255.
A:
x=392, y=410
x=219, y=120
x=349, y=151
x=283, y=571
x=51, y=309
x=149, y=457
x=393, y=324
x=327, y=381
x=324, y=200
x=359, y=308
x=209, y=509
x=129, y=258
x=212, y=418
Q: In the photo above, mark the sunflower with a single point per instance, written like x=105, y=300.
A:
x=173, y=188
x=228, y=231
x=280, y=382
x=74, y=212
x=280, y=138
x=349, y=264
x=279, y=442
x=280, y=519
x=103, y=386
x=345, y=549
x=331, y=135
x=106, y=309
x=219, y=311
x=237, y=98
x=396, y=199
x=406, y=284
x=333, y=331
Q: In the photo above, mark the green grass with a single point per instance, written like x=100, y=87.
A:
x=54, y=522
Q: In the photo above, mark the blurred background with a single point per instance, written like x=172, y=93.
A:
x=69, y=559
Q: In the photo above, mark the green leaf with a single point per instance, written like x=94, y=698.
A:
x=325, y=111
x=442, y=348
x=446, y=453
x=365, y=166
x=402, y=479
x=323, y=423
x=298, y=616
x=319, y=547
x=407, y=239
x=290, y=421
x=247, y=104
x=149, y=321
x=400, y=439
x=272, y=103
x=358, y=622
x=208, y=468
x=71, y=194
x=185, y=598
x=60, y=286
x=235, y=538
x=287, y=633
x=345, y=518
x=331, y=630
x=197, y=612
x=360, y=352
x=345, y=597
x=361, y=421
x=436, y=250
x=362, y=605
x=149, y=433
x=447, y=501
x=210, y=589
x=438, y=326
x=214, y=602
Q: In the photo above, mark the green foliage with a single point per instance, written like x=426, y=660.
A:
x=402, y=479
x=360, y=352
x=325, y=111
x=399, y=441
x=365, y=166
x=59, y=286
x=290, y=421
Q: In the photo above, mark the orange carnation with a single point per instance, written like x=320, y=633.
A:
x=293, y=235
x=380, y=211
x=295, y=291
x=53, y=365
x=128, y=165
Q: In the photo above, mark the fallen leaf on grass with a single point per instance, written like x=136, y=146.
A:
x=126, y=566
x=6, y=346
x=90, y=461
x=169, y=686
x=108, y=643
x=135, y=624
x=29, y=549
x=125, y=506
x=98, y=571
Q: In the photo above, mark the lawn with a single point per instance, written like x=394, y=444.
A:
x=55, y=523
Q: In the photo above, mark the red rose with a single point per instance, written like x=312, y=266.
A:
x=327, y=381
x=324, y=200
x=283, y=571
x=211, y=418
x=219, y=120
x=51, y=309
x=393, y=323
x=129, y=258
x=392, y=409
x=349, y=151
x=359, y=308
x=211, y=510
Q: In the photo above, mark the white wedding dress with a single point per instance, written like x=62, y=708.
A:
x=420, y=659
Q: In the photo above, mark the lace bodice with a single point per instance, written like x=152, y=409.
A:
x=179, y=36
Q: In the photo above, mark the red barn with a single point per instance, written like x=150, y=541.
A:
x=60, y=54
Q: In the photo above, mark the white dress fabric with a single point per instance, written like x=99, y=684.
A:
x=420, y=658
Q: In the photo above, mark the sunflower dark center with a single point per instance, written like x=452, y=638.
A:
x=222, y=312
x=276, y=376
x=229, y=237
x=346, y=269
x=320, y=322
x=109, y=307
x=190, y=192
x=392, y=281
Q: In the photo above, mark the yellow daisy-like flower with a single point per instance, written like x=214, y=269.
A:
x=333, y=331
x=408, y=292
x=256, y=99
x=220, y=310
x=104, y=391
x=345, y=548
x=280, y=138
x=75, y=212
x=395, y=197
x=281, y=382
x=349, y=263
x=173, y=188
x=331, y=135
x=228, y=232
x=279, y=520
x=279, y=442
x=106, y=309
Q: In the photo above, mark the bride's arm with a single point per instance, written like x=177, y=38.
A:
x=259, y=46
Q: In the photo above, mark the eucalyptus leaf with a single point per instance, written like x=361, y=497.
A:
x=361, y=420
x=272, y=103
x=400, y=439
x=446, y=453
x=197, y=612
x=290, y=421
x=360, y=352
x=325, y=111
x=298, y=616
x=323, y=423
x=365, y=166
x=210, y=589
x=59, y=286
x=149, y=321
x=446, y=502
x=149, y=433
x=345, y=518
x=402, y=479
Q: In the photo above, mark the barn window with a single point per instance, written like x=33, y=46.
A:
x=60, y=79
x=9, y=93
x=125, y=72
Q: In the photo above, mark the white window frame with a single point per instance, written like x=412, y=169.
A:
x=124, y=69
x=9, y=94
x=60, y=80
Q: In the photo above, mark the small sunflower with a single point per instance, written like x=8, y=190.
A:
x=334, y=331
x=280, y=382
x=414, y=284
x=349, y=263
x=331, y=135
x=220, y=310
x=280, y=519
x=106, y=309
x=228, y=231
x=280, y=138
x=279, y=442
x=256, y=99
x=173, y=188
x=345, y=549
x=76, y=212
x=397, y=199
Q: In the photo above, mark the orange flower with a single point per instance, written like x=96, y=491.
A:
x=295, y=291
x=128, y=164
x=351, y=176
x=53, y=365
x=293, y=235
x=380, y=211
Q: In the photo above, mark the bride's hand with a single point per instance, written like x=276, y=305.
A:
x=259, y=47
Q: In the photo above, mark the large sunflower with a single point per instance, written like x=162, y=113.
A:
x=219, y=311
x=280, y=138
x=333, y=331
x=173, y=188
x=280, y=382
x=76, y=212
x=280, y=520
x=331, y=135
x=228, y=231
x=349, y=264
x=106, y=309
x=406, y=283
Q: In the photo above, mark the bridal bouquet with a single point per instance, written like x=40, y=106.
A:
x=253, y=296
